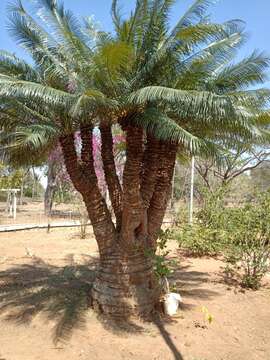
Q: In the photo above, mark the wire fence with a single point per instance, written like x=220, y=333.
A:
x=32, y=211
x=30, y=214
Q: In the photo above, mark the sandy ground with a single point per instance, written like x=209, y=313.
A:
x=46, y=278
x=32, y=212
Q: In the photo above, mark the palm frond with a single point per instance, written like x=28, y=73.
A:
x=249, y=71
x=202, y=103
x=28, y=145
x=166, y=129
x=255, y=99
x=116, y=17
x=42, y=47
x=89, y=104
x=13, y=66
x=46, y=95
x=221, y=51
x=193, y=15
x=67, y=29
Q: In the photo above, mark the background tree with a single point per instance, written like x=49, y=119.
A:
x=238, y=161
x=260, y=176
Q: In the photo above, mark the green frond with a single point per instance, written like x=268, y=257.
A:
x=47, y=96
x=116, y=17
x=249, y=71
x=197, y=70
x=41, y=46
x=14, y=113
x=205, y=33
x=215, y=74
x=22, y=25
x=28, y=145
x=90, y=30
x=11, y=65
x=193, y=15
x=166, y=129
x=263, y=119
x=224, y=42
x=67, y=29
x=203, y=104
x=220, y=51
x=114, y=56
x=252, y=99
x=92, y=102
x=136, y=21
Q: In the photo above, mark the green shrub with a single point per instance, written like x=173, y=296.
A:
x=161, y=265
x=213, y=214
x=241, y=234
x=206, y=236
x=249, y=246
x=252, y=257
x=181, y=216
x=199, y=240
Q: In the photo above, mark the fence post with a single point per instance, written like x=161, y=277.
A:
x=191, y=190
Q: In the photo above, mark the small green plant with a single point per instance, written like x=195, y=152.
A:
x=208, y=317
x=162, y=266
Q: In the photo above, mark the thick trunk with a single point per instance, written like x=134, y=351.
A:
x=151, y=162
x=112, y=180
x=149, y=178
x=132, y=200
x=83, y=176
x=162, y=193
x=125, y=286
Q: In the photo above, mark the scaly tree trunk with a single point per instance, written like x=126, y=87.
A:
x=125, y=284
x=112, y=180
x=158, y=204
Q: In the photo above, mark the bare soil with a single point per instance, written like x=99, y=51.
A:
x=32, y=212
x=45, y=281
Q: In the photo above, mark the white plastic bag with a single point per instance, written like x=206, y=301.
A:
x=171, y=303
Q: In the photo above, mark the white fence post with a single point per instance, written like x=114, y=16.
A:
x=191, y=190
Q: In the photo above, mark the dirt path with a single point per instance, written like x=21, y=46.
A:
x=47, y=279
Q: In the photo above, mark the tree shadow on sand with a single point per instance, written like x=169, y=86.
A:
x=190, y=284
x=62, y=294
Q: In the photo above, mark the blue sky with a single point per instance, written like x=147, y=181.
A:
x=254, y=13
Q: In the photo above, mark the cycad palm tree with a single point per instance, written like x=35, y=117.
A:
x=158, y=85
